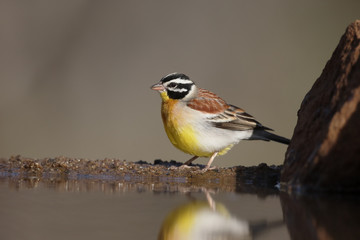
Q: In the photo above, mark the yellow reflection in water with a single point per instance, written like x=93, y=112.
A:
x=203, y=220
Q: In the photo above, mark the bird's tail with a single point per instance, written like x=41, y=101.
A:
x=261, y=134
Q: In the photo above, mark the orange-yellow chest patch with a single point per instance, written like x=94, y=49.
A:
x=178, y=128
x=181, y=131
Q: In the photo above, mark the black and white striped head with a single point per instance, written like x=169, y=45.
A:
x=176, y=86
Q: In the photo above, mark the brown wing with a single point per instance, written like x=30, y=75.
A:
x=226, y=116
x=235, y=118
x=207, y=102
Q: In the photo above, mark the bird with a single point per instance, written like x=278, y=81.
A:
x=202, y=124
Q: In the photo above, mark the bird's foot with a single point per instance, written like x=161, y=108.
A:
x=182, y=167
x=205, y=169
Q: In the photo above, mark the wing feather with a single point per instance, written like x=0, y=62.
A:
x=235, y=118
x=208, y=102
x=223, y=115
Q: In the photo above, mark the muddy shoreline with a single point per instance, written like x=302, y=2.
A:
x=261, y=178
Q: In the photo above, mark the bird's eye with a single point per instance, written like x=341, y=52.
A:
x=172, y=85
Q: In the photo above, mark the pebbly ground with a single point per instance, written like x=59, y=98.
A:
x=239, y=178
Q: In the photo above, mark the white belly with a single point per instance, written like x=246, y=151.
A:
x=212, y=139
x=209, y=138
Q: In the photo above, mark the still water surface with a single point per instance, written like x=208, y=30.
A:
x=38, y=209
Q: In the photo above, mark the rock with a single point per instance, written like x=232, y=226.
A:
x=324, y=153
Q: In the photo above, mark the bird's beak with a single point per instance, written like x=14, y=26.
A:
x=158, y=87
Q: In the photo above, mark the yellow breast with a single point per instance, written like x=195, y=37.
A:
x=178, y=129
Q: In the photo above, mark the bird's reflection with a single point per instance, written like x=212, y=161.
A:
x=202, y=220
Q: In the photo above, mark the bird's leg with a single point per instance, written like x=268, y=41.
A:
x=210, y=161
x=188, y=162
x=210, y=200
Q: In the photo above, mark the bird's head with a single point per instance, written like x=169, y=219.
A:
x=175, y=86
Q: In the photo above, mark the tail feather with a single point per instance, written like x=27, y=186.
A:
x=261, y=134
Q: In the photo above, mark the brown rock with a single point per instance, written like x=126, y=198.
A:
x=324, y=153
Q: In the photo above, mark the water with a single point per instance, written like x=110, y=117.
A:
x=34, y=208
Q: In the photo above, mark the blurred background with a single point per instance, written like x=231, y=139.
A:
x=75, y=76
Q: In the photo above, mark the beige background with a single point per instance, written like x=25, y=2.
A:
x=75, y=75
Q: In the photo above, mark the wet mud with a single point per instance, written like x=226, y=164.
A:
x=257, y=179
